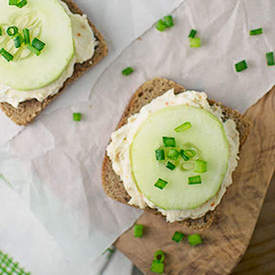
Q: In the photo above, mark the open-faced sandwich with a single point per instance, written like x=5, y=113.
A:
x=174, y=152
x=44, y=45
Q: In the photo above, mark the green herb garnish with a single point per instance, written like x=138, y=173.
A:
x=194, y=180
x=160, y=183
x=169, y=141
x=127, y=71
x=77, y=116
x=256, y=31
x=183, y=127
x=241, y=66
x=6, y=55
x=194, y=239
x=138, y=230
x=178, y=236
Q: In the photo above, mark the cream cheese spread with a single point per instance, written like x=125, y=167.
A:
x=84, y=43
x=119, y=151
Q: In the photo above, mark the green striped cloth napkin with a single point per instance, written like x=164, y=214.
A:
x=9, y=267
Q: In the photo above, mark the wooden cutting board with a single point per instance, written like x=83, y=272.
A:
x=225, y=242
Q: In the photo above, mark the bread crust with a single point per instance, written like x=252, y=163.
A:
x=151, y=89
x=28, y=110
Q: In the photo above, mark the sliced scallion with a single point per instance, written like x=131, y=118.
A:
x=157, y=267
x=38, y=44
x=195, y=42
x=241, y=66
x=22, y=3
x=256, y=31
x=194, y=239
x=18, y=3
x=18, y=41
x=160, y=155
x=1, y=31
x=168, y=21
x=190, y=153
x=170, y=165
x=270, y=58
x=192, y=33
x=200, y=166
x=173, y=154
x=188, y=165
x=127, y=71
x=183, y=127
x=138, y=230
x=160, y=183
x=26, y=34
x=178, y=236
x=77, y=116
x=169, y=141
x=194, y=180
x=12, y=31
x=186, y=158
x=6, y=55
x=161, y=26
x=33, y=49
x=159, y=256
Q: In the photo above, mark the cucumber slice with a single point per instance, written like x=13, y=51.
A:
x=207, y=133
x=48, y=21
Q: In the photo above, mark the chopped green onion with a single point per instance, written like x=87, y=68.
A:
x=183, y=127
x=195, y=42
x=200, y=166
x=188, y=165
x=192, y=33
x=241, y=66
x=170, y=165
x=26, y=34
x=169, y=141
x=127, y=71
x=18, y=41
x=183, y=155
x=160, y=184
x=34, y=50
x=138, y=230
x=178, y=236
x=6, y=55
x=161, y=26
x=22, y=4
x=256, y=31
x=168, y=21
x=12, y=31
x=17, y=3
x=159, y=256
x=77, y=116
x=194, y=239
x=160, y=155
x=157, y=267
x=270, y=59
x=173, y=154
x=38, y=44
x=13, y=2
x=194, y=180
x=0, y=31
x=190, y=153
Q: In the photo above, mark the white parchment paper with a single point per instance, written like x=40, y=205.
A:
x=54, y=164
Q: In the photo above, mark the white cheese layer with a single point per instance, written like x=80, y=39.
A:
x=84, y=42
x=119, y=151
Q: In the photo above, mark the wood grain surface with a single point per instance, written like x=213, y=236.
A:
x=226, y=240
x=259, y=259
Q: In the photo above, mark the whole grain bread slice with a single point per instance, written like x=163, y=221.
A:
x=112, y=184
x=28, y=110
